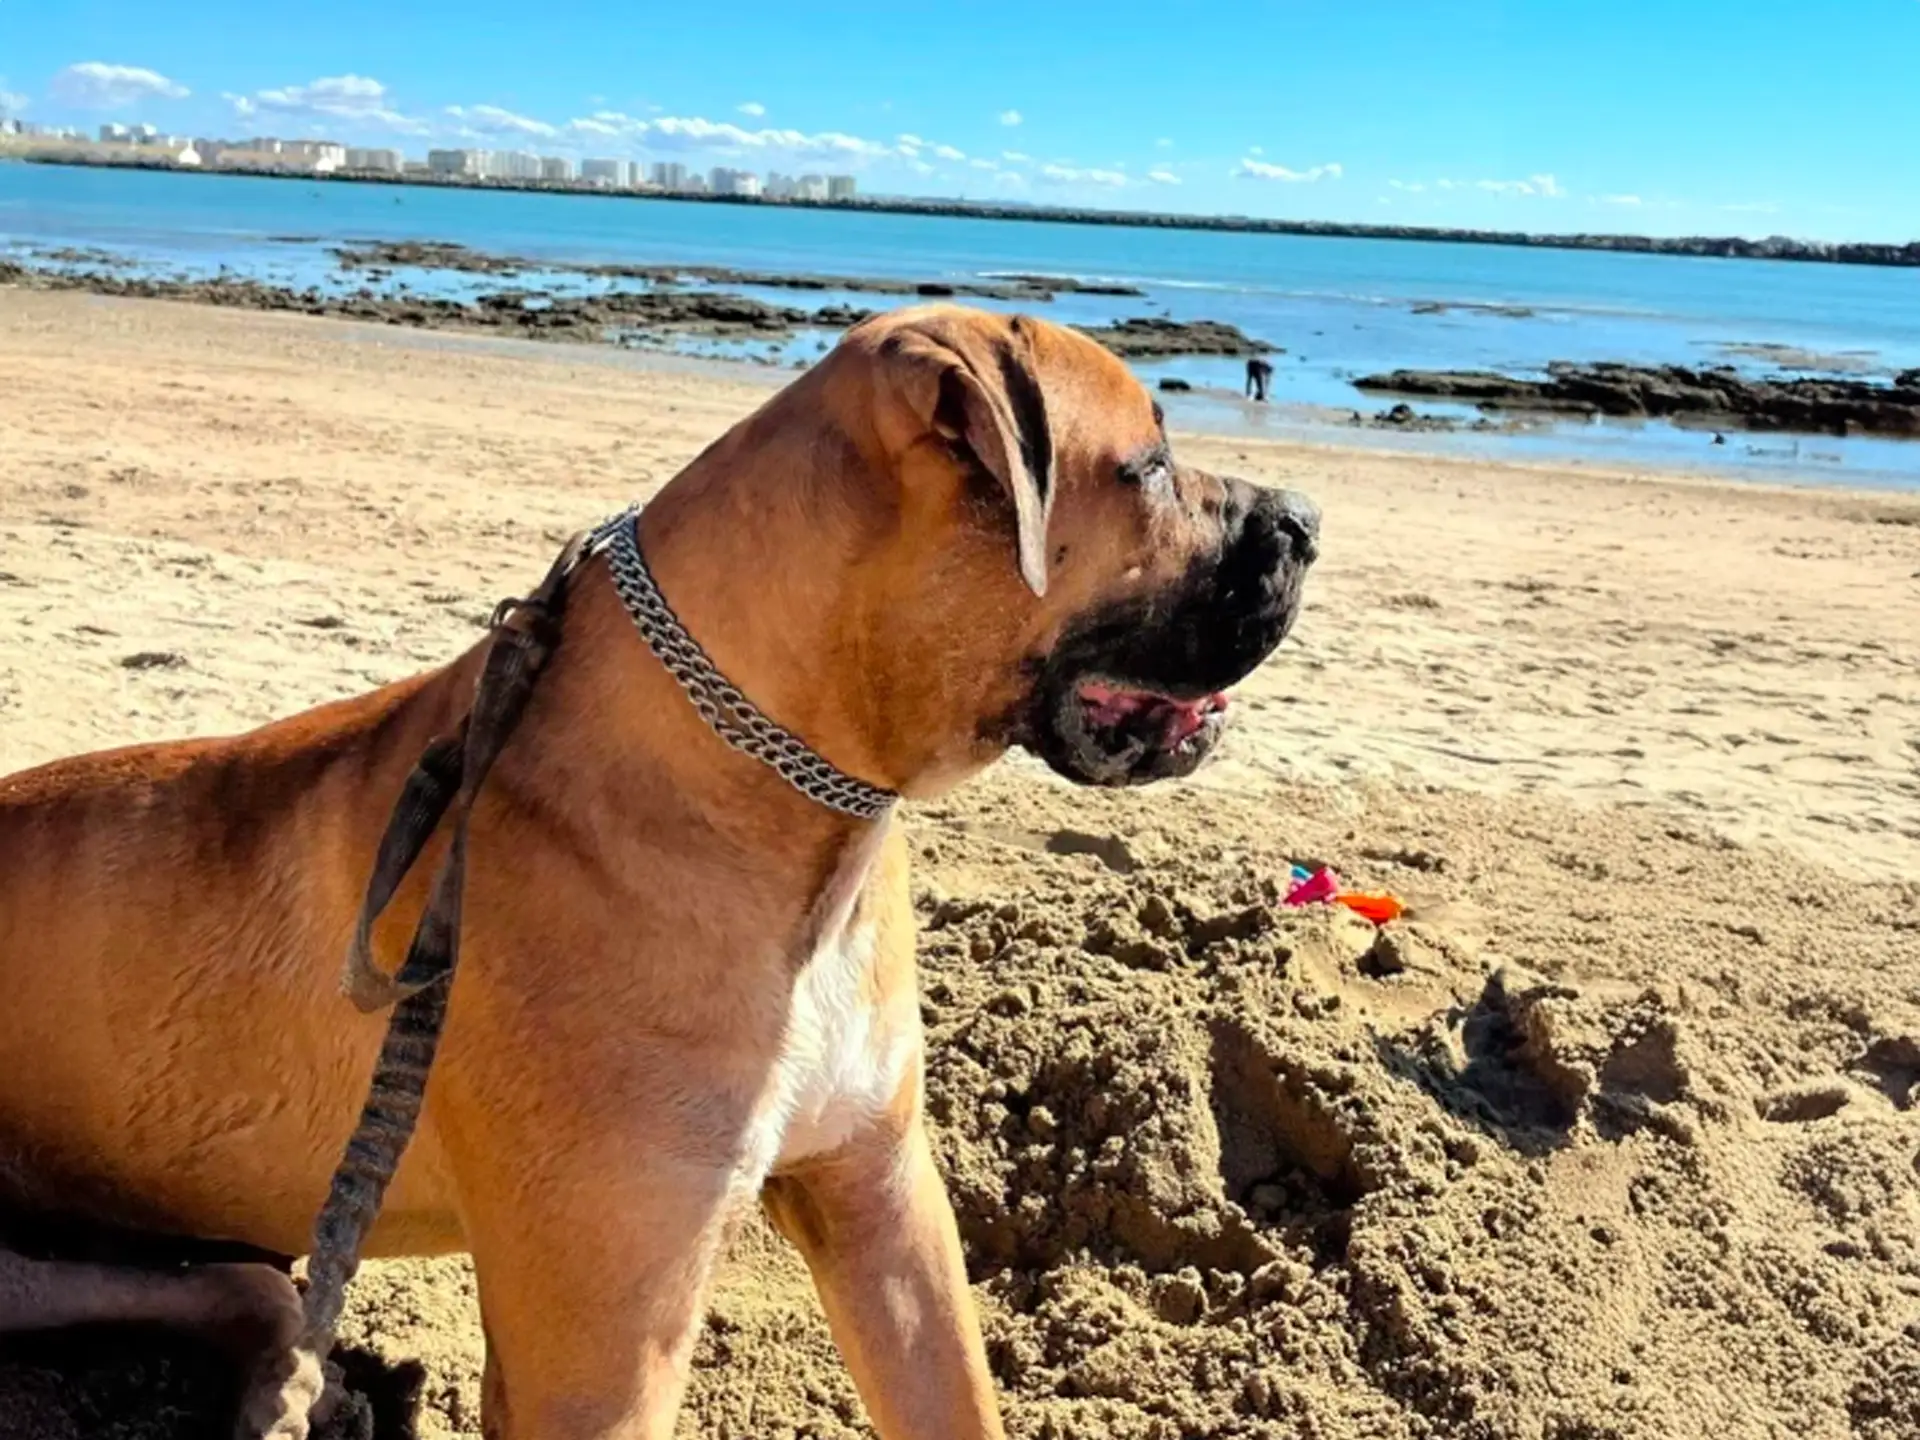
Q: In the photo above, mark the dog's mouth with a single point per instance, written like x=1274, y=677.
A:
x=1132, y=725
x=1098, y=730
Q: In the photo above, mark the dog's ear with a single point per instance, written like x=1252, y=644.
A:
x=984, y=400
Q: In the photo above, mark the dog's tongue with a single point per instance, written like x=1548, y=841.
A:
x=1107, y=705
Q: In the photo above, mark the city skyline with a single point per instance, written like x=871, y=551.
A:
x=1585, y=116
x=145, y=143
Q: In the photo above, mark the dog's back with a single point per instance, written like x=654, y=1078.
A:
x=167, y=1072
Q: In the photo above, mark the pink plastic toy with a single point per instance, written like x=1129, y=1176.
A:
x=1323, y=884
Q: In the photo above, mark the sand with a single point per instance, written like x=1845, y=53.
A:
x=1618, y=1135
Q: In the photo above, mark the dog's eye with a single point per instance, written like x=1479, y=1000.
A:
x=1152, y=473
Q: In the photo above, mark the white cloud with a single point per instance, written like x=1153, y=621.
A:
x=1011, y=117
x=1261, y=170
x=492, y=120
x=1016, y=157
x=947, y=152
x=334, y=97
x=1411, y=187
x=920, y=167
x=1072, y=175
x=910, y=142
x=752, y=107
x=980, y=163
x=1163, y=177
x=95, y=85
x=1255, y=150
x=692, y=133
x=1620, y=200
x=1163, y=144
x=11, y=101
x=1544, y=186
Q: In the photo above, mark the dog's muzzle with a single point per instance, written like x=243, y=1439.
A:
x=1135, y=693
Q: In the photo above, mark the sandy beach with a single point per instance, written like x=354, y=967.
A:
x=1618, y=1135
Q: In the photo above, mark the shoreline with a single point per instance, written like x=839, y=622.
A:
x=1882, y=254
x=682, y=306
x=1207, y=413
x=1298, y=429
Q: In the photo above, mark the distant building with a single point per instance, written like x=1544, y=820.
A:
x=375, y=162
x=468, y=164
x=810, y=187
x=556, y=167
x=142, y=134
x=695, y=185
x=319, y=156
x=513, y=165
x=323, y=156
x=185, y=155
x=733, y=182
x=778, y=186
x=210, y=151
x=670, y=175
x=840, y=187
x=615, y=173
x=111, y=134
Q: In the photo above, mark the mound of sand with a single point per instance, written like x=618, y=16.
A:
x=1587, y=1167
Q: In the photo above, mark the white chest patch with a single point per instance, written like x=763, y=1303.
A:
x=844, y=1056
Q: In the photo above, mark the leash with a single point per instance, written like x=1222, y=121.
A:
x=525, y=635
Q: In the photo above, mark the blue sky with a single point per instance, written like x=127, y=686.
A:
x=1688, y=116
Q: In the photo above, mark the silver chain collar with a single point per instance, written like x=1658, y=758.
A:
x=730, y=714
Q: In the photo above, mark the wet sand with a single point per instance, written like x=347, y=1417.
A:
x=1616, y=1137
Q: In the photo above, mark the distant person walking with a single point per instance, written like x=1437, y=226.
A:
x=1259, y=377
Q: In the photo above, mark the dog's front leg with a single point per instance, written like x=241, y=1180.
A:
x=878, y=1233
x=592, y=1283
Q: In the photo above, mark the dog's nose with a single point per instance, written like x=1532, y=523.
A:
x=1282, y=525
x=1300, y=518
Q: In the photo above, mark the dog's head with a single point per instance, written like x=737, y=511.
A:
x=1035, y=567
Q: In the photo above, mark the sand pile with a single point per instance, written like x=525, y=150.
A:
x=1541, y=1161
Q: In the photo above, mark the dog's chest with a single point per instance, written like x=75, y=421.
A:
x=847, y=1048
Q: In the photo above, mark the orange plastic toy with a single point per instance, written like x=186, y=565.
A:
x=1377, y=908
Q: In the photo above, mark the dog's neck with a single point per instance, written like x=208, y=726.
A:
x=754, y=554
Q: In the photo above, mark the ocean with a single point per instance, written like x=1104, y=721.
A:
x=1340, y=308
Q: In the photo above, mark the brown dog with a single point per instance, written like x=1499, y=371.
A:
x=683, y=982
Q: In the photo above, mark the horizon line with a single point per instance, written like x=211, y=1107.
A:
x=1874, y=253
